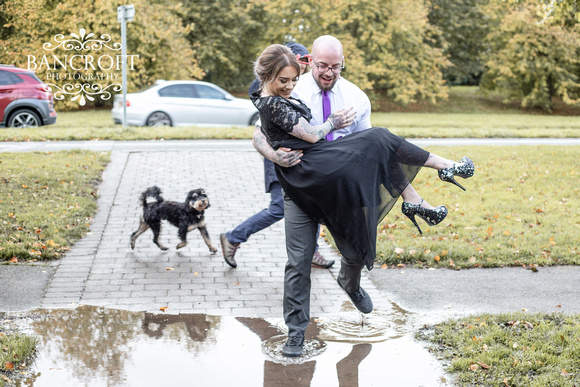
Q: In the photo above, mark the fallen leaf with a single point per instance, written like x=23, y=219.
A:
x=451, y=263
x=484, y=347
x=196, y=273
x=164, y=308
x=399, y=251
x=483, y=365
x=558, y=306
x=564, y=372
x=384, y=266
x=474, y=367
x=437, y=258
x=505, y=381
x=9, y=366
x=14, y=260
x=169, y=268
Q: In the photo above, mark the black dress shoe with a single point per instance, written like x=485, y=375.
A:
x=293, y=347
x=361, y=300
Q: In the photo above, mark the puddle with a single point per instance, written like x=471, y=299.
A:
x=94, y=346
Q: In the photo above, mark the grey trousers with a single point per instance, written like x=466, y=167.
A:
x=301, y=236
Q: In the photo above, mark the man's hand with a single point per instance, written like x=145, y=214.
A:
x=285, y=157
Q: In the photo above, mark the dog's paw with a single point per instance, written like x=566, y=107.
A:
x=212, y=249
x=180, y=245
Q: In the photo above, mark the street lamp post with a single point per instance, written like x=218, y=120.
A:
x=125, y=13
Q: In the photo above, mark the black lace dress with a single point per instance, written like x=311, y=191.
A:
x=349, y=184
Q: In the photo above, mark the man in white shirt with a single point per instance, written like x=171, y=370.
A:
x=323, y=91
x=342, y=94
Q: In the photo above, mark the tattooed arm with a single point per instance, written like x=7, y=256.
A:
x=284, y=157
x=337, y=120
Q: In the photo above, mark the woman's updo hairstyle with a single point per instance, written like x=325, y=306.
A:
x=272, y=60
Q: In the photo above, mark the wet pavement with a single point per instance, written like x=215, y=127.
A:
x=100, y=318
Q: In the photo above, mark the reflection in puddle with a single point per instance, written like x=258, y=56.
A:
x=93, y=346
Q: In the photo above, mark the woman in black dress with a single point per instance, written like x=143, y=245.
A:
x=349, y=184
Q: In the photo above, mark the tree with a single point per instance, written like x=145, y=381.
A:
x=386, y=43
x=533, y=60
x=227, y=37
x=463, y=24
x=156, y=36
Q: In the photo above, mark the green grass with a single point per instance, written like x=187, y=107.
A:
x=16, y=352
x=520, y=209
x=516, y=349
x=438, y=125
x=98, y=125
x=467, y=113
x=47, y=201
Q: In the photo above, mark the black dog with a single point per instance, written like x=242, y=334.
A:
x=185, y=216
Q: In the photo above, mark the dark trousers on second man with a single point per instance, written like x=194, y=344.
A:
x=301, y=237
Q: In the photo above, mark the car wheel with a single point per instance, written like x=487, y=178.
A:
x=158, y=119
x=24, y=118
x=254, y=119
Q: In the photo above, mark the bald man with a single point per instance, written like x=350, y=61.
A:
x=321, y=86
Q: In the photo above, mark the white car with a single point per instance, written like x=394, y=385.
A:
x=181, y=103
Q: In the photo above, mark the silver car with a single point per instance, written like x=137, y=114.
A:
x=181, y=103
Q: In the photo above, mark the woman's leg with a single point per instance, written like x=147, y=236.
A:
x=438, y=162
x=409, y=195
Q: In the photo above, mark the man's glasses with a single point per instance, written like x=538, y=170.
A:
x=303, y=59
x=324, y=68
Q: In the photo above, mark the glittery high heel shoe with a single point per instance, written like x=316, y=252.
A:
x=463, y=169
x=431, y=216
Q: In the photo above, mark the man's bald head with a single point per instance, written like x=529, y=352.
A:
x=327, y=45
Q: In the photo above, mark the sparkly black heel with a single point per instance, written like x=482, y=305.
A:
x=464, y=171
x=432, y=217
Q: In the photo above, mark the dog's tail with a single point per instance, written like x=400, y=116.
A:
x=151, y=192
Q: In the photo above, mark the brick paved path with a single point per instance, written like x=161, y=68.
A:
x=102, y=269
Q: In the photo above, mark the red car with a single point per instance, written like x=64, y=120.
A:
x=23, y=100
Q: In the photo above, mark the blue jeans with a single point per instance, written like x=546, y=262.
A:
x=262, y=219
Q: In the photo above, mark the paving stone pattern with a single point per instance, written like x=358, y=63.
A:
x=101, y=269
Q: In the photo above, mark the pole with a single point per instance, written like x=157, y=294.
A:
x=124, y=66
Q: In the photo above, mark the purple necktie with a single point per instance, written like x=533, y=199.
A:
x=326, y=111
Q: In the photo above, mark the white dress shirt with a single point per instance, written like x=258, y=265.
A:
x=343, y=95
